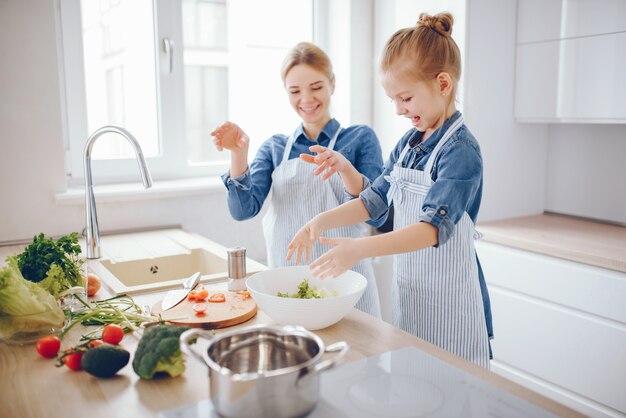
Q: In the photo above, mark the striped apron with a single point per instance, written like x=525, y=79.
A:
x=297, y=196
x=435, y=291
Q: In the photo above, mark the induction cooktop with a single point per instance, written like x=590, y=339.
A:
x=401, y=384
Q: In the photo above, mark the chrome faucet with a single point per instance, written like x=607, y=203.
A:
x=93, y=234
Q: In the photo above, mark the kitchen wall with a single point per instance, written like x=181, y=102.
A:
x=577, y=169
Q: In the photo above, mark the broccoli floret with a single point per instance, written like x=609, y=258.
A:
x=159, y=352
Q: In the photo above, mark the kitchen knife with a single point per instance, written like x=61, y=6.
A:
x=174, y=296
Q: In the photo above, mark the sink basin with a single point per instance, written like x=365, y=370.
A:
x=156, y=260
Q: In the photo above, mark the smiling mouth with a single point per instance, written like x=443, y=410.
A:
x=309, y=109
x=415, y=120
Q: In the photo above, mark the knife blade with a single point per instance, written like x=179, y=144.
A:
x=174, y=296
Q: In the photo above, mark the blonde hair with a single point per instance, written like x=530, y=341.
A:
x=311, y=55
x=424, y=50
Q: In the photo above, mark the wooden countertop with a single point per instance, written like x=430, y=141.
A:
x=31, y=386
x=593, y=243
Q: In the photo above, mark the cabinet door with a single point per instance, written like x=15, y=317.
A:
x=549, y=20
x=572, y=80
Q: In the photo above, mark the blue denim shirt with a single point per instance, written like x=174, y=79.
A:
x=358, y=143
x=457, y=187
x=457, y=178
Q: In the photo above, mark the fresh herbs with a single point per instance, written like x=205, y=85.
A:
x=53, y=264
x=306, y=291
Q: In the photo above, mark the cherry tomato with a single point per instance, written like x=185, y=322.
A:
x=199, y=308
x=217, y=297
x=48, y=346
x=73, y=360
x=94, y=343
x=112, y=334
x=202, y=295
x=192, y=296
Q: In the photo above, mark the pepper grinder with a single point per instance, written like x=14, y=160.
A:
x=236, y=268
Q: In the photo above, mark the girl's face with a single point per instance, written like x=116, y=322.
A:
x=309, y=94
x=425, y=103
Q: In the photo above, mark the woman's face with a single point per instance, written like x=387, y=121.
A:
x=309, y=93
x=420, y=101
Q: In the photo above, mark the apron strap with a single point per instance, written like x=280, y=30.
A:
x=451, y=130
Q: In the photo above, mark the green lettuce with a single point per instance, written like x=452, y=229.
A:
x=19, y=297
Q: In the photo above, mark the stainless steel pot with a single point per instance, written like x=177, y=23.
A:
x=264, y=370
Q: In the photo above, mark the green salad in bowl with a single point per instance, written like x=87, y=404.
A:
x=307, y=291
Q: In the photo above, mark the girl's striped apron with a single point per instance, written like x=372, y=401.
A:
x=435, y=292
x=297, y=196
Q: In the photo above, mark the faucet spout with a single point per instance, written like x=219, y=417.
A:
x=93, y=233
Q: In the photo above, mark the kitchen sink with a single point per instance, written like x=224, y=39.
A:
x=156, y=260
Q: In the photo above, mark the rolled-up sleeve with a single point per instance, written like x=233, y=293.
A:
x=247, y=192
x=458, y=179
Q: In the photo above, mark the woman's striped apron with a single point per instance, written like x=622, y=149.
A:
x=436, y=292
x=297, y=196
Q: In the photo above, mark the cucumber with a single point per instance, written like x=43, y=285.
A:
x=105, y=360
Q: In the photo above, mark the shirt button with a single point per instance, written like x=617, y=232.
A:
x=442, y=212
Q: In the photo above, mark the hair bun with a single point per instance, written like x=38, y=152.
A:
x=440, y=23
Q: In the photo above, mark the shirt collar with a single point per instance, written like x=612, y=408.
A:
x=327, y=133
x=431, y=142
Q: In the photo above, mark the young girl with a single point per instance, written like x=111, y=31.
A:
x=296, y=193
x=433, y=179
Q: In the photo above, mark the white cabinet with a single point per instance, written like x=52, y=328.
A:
x=571, y=61
x=560, y=327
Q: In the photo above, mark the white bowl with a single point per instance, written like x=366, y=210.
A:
x=310, y=313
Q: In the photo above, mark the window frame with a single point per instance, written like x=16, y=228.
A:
x=172, y=161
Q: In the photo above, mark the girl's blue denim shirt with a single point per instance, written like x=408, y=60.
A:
x=358, y=143
x=457, y=178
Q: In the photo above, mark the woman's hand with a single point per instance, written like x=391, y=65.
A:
x=231, y=137
x=327, y=160
x=346, y=252
x=303, y=241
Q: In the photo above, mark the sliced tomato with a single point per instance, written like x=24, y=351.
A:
x=246, y=294
x=199, y=308
x=217, y=297
x=201, y=295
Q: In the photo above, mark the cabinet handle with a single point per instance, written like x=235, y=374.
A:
x=168, y=48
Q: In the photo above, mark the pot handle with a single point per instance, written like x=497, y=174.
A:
x=189, y=335
x=343, y=349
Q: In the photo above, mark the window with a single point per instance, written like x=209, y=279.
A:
x=169, y=71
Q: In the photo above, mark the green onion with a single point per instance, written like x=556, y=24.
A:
x=121, y=310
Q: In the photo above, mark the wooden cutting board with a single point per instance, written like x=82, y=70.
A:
x=235, y=310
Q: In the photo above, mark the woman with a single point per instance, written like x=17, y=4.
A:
x=347, y=158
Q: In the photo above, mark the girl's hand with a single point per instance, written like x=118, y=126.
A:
x=327, y=160
x=344, y=254
x=303, y=241
x=231, y=137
